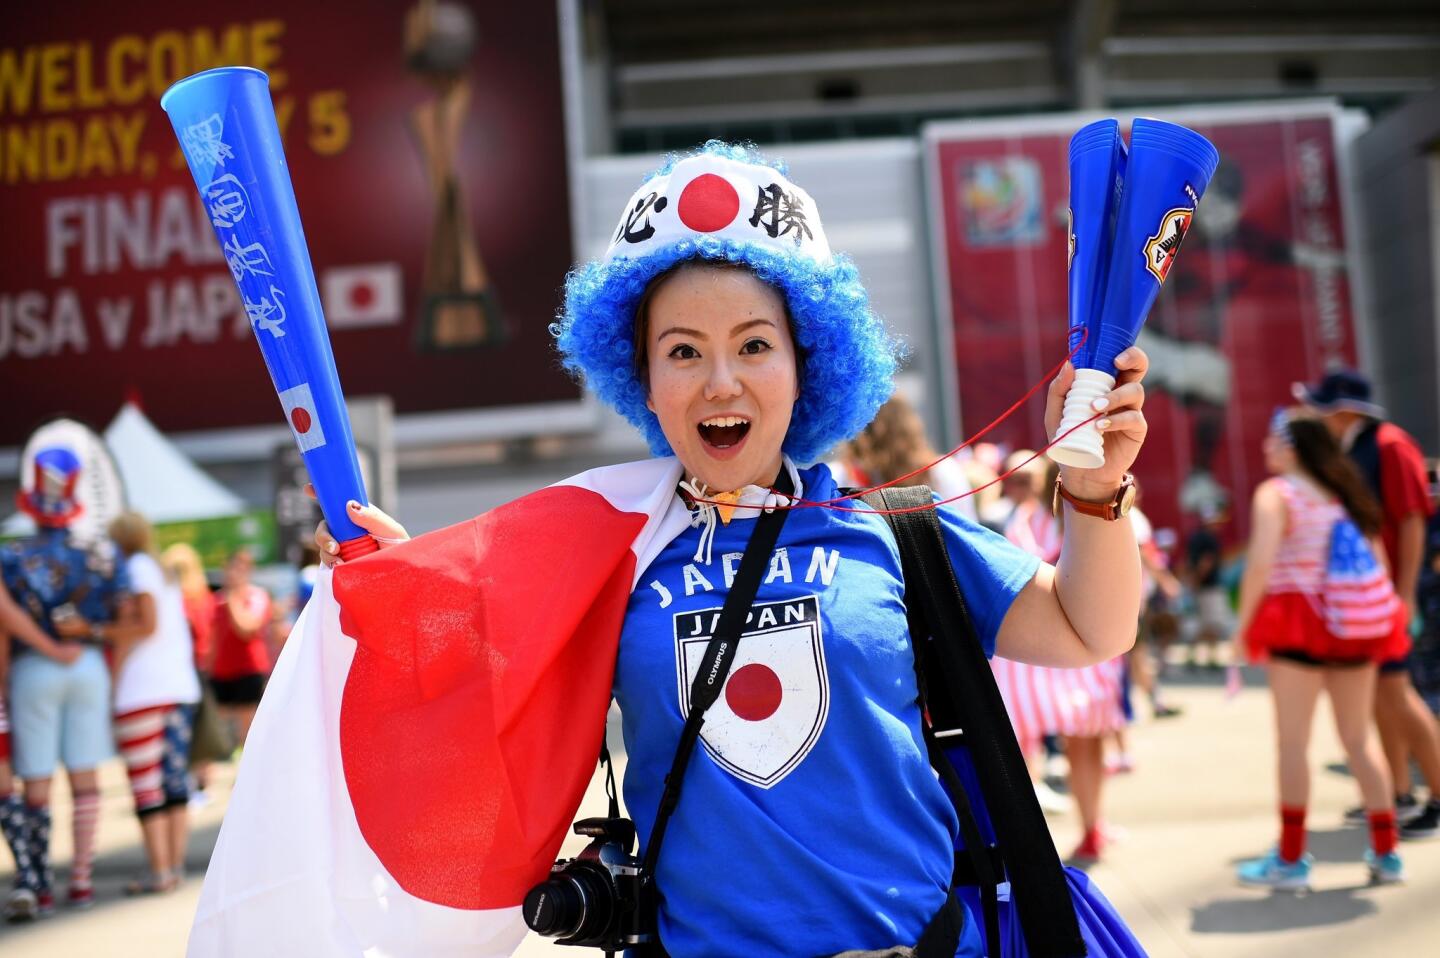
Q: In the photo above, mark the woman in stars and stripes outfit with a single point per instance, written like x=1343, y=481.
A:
x=1314, y=605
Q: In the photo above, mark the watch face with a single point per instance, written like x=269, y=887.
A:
x=1127, y=499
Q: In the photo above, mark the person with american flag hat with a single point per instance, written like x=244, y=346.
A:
x=58, y=697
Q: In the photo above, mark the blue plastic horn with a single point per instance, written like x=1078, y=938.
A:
x=1165, y=176
x=1097, y=175
x=231, y=141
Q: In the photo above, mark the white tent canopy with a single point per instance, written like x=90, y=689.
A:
x=161, y=482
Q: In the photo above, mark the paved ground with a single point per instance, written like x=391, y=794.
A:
x=1202, y=798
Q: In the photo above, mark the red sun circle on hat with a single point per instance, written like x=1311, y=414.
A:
x=300, y=419
x=753, y=692
x=708, y=203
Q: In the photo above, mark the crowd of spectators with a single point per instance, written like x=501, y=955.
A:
x=107, y=648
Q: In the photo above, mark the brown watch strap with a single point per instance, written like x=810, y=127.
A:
x=1109, y=510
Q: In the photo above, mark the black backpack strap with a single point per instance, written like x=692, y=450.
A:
x=980, y=859
x=720, y=654
x=960, y=694
x=979, y=863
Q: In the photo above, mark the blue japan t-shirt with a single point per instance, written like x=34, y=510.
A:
x=810, y=821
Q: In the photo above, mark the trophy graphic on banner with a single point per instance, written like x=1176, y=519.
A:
x=459, y=308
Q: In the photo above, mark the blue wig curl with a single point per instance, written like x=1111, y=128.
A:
x=848, y=358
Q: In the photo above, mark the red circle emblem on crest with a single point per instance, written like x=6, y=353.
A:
x=753, y=692
x=708, y=203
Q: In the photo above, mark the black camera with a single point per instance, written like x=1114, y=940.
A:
x=599, y=898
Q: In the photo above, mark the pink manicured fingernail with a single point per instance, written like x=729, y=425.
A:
x=1102, y=425
x=1101, y=404
x=352, y=504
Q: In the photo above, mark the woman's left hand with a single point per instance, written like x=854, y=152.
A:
x=386, y=530
x=1123, y=426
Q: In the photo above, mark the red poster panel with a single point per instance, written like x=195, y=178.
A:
x=1259, y=297
x=429, y=162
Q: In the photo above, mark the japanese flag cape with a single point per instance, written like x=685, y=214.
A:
x=430, y=728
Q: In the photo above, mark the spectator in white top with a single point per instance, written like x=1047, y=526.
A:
x=156, y=690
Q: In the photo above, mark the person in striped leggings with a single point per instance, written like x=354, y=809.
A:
x=155, y=744
x=156, y=688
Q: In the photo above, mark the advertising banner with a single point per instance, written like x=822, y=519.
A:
x=216, y=540
x=1259, y=297
x=426, y=145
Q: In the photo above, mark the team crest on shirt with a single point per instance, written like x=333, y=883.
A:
x=776, y=699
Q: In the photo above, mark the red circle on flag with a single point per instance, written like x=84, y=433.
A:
x=753, y=692
x=708, y=203
x=300, y=419
x=362, y=295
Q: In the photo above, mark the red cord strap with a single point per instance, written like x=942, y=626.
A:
x=835, y=504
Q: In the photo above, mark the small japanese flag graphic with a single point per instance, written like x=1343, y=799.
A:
x=360, y=296
x=300, y=413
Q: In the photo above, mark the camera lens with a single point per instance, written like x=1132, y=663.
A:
x=554, y=907
x=576, y=902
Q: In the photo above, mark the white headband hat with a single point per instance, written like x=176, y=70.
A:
x=713, y=196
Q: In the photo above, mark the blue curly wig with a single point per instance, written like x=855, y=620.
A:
x=848, y=358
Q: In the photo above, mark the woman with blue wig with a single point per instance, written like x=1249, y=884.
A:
x=721, y=325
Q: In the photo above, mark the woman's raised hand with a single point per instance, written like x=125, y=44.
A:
x=1122, y=426
x=386, y=530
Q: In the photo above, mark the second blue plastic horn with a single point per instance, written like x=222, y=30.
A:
x=1166, y=174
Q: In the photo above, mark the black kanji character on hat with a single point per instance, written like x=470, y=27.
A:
x=644, y=206
x=780, y=213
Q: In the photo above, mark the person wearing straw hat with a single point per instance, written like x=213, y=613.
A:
x=1393, y=466
x=723, y=327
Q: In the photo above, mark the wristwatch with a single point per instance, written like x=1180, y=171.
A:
x=1109, y=510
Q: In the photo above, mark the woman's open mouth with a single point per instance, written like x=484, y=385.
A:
x=724, y=432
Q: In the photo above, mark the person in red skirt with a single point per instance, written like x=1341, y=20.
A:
x=1394, y=468
x=242, y=654
x=1317, y=607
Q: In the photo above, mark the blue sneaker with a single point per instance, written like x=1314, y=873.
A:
x=1272, y=871
x=1386, y=869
